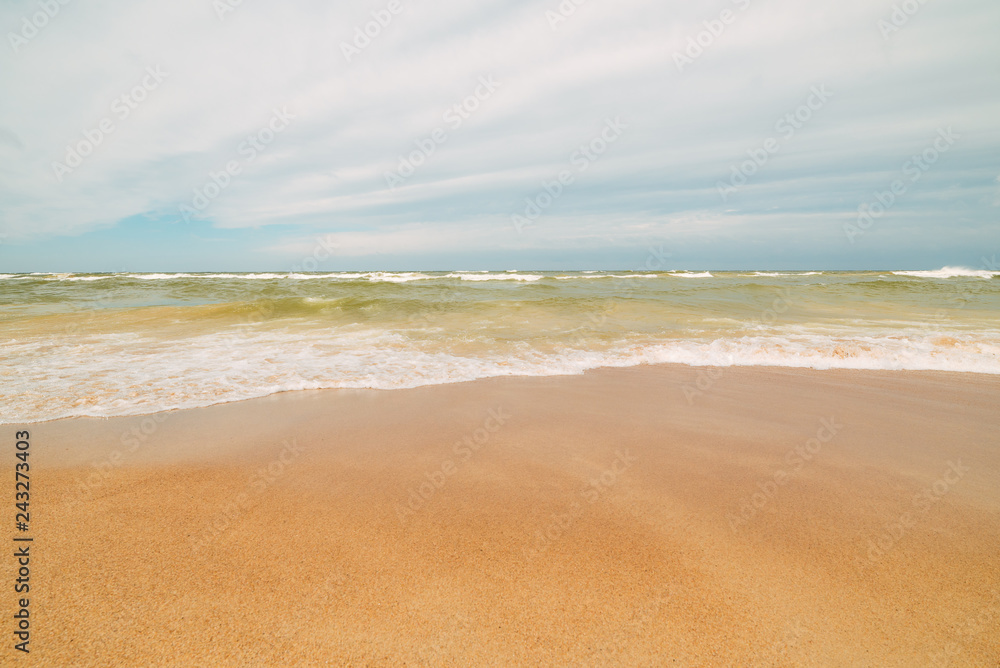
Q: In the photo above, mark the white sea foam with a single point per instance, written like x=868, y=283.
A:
x=394, y=277
x=497, y=277
x=249, y=277
x=365, y=339
x=572, y=278
x=126, y=374
x=950, y=272
x=390, y=277
x=775, y=274
x=159, y=277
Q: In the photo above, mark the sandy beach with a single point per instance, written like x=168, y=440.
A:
x=500, y=334
x=648, y=516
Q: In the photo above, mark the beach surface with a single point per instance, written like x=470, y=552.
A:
x=646, y=516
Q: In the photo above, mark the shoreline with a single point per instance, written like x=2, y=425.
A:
x=701, y=370
x=780, y=517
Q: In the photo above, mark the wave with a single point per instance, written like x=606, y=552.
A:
x=592, y=275
x=396, y=277
x=390, y=277
x=775, y=274
x=159, y=277
x=703, y=274
x=249, y=277
x=497, y=277
x=130, y=374
x=950, y=272
x=372, y=277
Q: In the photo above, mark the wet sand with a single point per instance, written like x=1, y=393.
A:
x=651, y=516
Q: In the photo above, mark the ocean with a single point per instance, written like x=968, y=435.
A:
x=129, y=343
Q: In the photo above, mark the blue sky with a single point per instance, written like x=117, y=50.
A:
x=210, y=136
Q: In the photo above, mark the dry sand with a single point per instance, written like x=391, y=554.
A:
x=611, y=519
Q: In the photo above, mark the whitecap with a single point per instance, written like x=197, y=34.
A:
x=950, y=272
x=529, y=278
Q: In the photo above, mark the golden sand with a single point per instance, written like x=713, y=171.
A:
x=657, y=516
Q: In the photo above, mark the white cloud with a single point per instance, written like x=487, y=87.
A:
x=353, y=120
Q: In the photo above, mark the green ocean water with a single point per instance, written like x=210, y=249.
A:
x=119, y=344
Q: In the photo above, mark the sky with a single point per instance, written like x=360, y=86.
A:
x=239, y=135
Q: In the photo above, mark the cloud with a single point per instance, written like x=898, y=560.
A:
x=224, y=78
